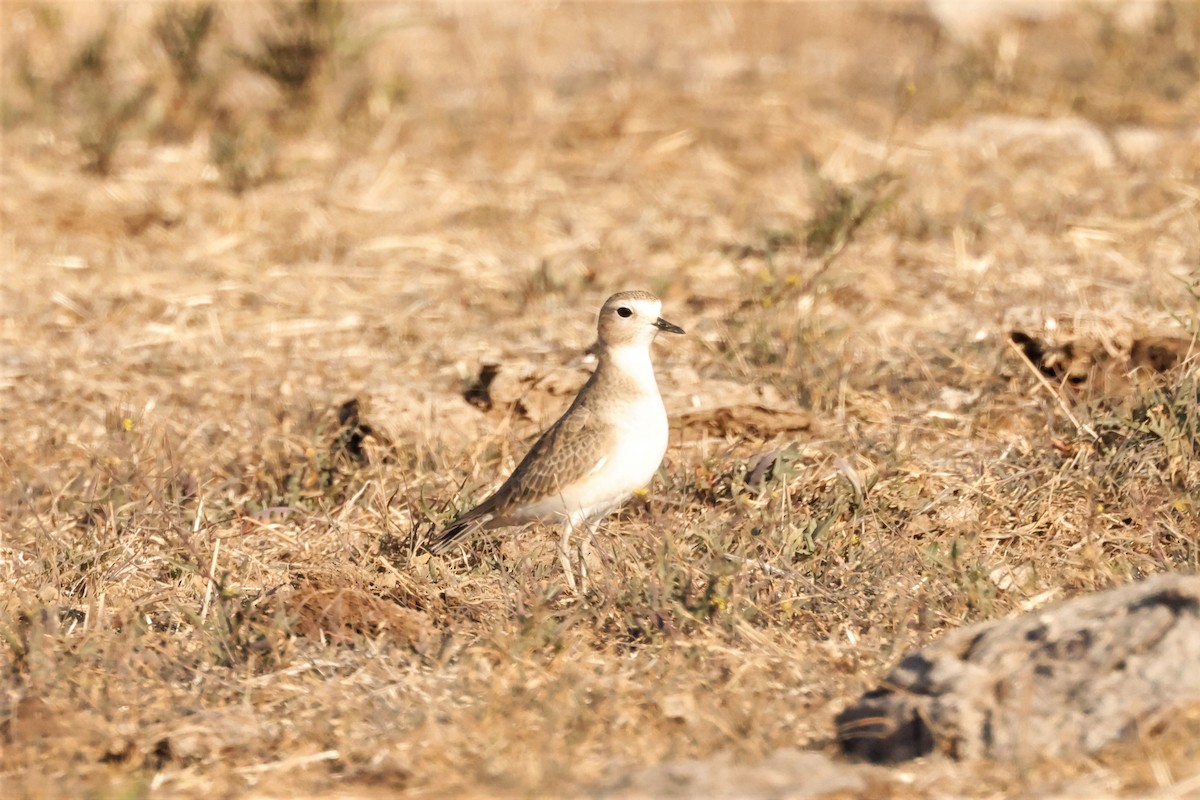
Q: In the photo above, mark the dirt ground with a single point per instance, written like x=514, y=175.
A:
x=940, y=294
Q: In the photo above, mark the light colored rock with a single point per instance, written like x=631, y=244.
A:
x=1060, y=682
x=969, y=21
x=1017, y=136
x=791, y=774
x=1136, y=143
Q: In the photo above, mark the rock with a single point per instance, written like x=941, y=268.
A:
x=793, y=774
x=968, y=21
x=1137, y=144
x=971, y=21
x=1064, y=681
x=1020, y=136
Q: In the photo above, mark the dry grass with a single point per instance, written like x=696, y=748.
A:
x=220, y=225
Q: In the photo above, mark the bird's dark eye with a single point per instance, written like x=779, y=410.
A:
x=623, y=311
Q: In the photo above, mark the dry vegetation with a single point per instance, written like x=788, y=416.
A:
x=222, y=223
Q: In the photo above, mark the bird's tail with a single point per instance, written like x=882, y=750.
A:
x=444, y=539
x=456, y=532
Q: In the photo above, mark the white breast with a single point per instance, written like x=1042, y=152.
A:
x=640, y=445
x=642, y=441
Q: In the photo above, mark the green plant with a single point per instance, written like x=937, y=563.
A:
x=298, y=47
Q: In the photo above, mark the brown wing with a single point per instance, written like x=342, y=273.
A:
x=564, y=454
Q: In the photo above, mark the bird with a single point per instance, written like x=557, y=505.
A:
x=607, y=445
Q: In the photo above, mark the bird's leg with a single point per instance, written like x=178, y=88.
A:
x=585, y=548
x=564, y=552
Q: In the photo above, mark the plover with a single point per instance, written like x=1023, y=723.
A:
x=607, y=445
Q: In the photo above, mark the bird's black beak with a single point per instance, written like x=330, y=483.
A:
x=663, y=325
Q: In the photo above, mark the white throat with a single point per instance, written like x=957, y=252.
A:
x=633, y=361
